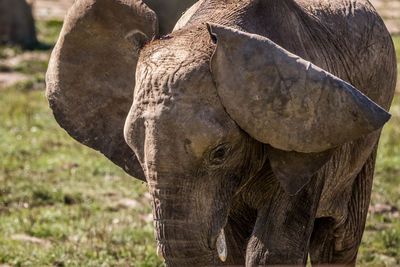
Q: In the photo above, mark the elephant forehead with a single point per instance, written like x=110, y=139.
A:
x=175, y=97
x=167, y=74
x=186, y=125
x=166, y=55
x=177, y=66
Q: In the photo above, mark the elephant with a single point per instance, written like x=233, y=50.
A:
x=168, y=12
x=255, y=123
x=17, y=24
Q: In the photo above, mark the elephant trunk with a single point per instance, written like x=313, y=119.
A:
x=180, y=234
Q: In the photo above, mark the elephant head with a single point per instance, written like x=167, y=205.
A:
x=211, y=110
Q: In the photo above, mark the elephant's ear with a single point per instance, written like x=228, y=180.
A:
x=91, y=73
x=295, y=169
x=283, y=100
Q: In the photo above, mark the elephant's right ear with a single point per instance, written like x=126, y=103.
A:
x=91, y=73
x=302, y=111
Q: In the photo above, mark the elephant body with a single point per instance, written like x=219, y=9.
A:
x=212, y=171
x=17, y=24
x=168, y=12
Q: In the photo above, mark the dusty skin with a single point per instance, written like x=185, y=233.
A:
x=258, y=118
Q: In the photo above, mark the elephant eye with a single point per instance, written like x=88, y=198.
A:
x=219, y=154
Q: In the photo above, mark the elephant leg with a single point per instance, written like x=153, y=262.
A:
x=334, y=243
x=283, y=228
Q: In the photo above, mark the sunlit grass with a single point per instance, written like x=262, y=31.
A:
x=54, y=189
x=381, y=241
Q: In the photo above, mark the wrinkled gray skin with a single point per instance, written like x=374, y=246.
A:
x=17, y=24
x=206, y=168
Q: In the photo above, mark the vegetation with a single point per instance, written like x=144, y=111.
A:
x=381, y=242
x=62, y=204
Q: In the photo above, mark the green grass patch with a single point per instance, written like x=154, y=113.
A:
x=48, y=31
x=381, y=242
x=7, y=51
x=32, y=67
x=62, y=195
x=53, y=188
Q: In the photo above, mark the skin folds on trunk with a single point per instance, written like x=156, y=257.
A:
x=181, y=224
x=179, y=237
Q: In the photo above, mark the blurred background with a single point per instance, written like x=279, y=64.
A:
x=62, y=204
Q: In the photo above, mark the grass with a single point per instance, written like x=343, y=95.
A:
x=381, y=241
x=71, y=199
x=52, y=188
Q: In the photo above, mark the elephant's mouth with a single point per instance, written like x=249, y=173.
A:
x=217, y=243
x=193, y=254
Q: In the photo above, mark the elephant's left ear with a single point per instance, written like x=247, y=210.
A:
x=283, y=100
x=91, y=73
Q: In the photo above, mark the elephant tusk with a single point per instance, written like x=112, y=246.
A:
x=159, y=253
x=221, y=246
